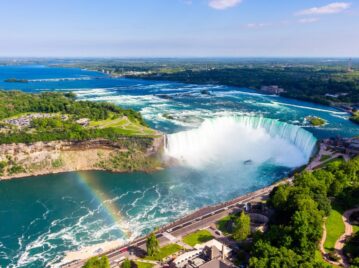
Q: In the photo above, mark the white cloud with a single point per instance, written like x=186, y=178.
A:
x=308, y=20
x=257, y=25
x=332, y=8
x=223, y=4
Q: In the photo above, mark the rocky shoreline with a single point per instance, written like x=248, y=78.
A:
x=43, y=158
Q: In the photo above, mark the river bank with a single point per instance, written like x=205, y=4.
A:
x=204, y=216
x=70, y=210
x=43, y=158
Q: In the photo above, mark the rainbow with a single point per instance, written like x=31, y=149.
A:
x=91, y=184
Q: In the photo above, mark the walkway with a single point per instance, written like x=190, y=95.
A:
x=317, y=161
x=339, y=244
x=176, y=240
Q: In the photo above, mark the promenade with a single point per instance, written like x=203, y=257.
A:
x=199, y=219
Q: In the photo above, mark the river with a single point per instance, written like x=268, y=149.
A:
x=229, y=140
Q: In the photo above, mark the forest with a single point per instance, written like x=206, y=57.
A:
x=300, y=209
x=63, y=123
x=324, y=81
x=311, y=83
x=16, y=102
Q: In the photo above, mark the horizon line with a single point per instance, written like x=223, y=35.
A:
x=179, y=57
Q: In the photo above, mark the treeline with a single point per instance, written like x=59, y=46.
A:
x=52, y=129
x=296, y=228
x=16, y=102
x=303, y=82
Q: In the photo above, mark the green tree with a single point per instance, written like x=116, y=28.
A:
x=269, y=256
x=242, y=227
x=152, y=245
x=97, y=262
x=3, y=165
x=126, y=264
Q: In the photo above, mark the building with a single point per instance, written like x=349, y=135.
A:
x=215, y=264
x=273, y=89
x=211, y=254
x=348, y=146
x=222, y=248
x=83, y=122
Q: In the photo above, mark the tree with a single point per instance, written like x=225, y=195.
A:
x=152, y=245
x=126, y=264
x=269, y=256
x=242, y=227
x=97, y=262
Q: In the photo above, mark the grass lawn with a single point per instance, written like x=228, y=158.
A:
x=124, y=126
x=355, y=229
x=319, y=258
x=165, y=252
x=144, y=264
x=335, y=228
x=198, y=237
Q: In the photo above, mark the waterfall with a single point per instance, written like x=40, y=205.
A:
x=234, y=139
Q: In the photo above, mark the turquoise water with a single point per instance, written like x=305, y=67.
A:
x=44, y=216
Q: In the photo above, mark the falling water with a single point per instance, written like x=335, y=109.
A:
x=233, y=140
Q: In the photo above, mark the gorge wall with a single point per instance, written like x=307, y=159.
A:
x=126, y=154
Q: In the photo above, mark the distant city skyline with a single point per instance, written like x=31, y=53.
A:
x=179, y=28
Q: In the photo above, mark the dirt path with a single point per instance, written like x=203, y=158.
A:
x=322, y=241
x=339, y=244
x=322, y=250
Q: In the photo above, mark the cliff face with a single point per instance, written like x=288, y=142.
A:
x=126, y=154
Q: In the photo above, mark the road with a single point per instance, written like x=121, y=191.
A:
x=199, y=219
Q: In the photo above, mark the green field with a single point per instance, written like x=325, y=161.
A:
x=124, y=124
x=165, y=252
x=143, y=264
x=198, y=237
x=335, y=228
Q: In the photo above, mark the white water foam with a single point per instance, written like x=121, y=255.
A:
x=235, y=140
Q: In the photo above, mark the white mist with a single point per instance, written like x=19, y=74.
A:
x=229, y=141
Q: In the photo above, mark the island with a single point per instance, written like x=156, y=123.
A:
x=52, y=132
x=315, y=121
x=15, y=80
x=355, y=117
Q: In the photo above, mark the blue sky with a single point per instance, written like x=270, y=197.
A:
x=179, y=28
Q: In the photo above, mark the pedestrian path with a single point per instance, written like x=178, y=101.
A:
x=176, y=240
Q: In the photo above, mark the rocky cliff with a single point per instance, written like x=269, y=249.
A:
x=126, y=154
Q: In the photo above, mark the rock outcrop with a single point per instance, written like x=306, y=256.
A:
x=22, y=160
